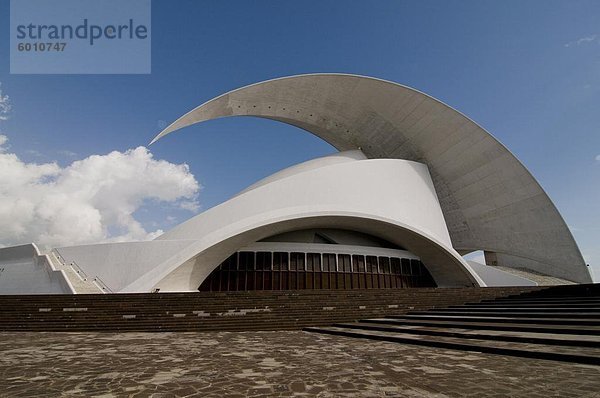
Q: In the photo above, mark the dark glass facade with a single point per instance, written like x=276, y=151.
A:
x=247, y=270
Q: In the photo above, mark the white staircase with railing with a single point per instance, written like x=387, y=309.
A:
x=81, y=282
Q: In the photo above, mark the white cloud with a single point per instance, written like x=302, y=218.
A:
x=597, y=158
x=91, y=200
x=4, y=105
x=3, y=141
x=582, y=40
x=190, y=205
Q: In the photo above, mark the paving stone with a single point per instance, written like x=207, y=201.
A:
x=285, y=364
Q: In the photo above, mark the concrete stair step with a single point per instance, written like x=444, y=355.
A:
x=575, y=340
x=519, y=299
x=511, y=314
x=551, y=352
x=525, y=305
x=466, y=318
x=500, y=326
x=466, y=309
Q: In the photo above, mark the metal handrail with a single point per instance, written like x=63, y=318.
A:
x=103, y=285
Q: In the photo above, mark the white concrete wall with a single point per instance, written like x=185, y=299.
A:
x=365, y=186
x=313, y=164
x=517, y=262
x=119, y=264
x=24, y=270
x=495, y=277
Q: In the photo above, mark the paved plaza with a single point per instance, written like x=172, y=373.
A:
x=284, y=363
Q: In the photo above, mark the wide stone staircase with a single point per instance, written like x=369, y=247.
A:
x=230, y=311
x=557, y=323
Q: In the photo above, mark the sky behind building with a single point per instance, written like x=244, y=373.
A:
x=528, y=72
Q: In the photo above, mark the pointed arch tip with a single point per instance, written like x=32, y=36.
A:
x=158, y=137
x=170, y=128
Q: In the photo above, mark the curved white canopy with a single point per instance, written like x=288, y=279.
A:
x=490, y=201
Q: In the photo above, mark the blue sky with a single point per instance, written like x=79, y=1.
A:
x=527, y=71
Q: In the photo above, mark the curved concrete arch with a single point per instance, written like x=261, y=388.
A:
x=190, y=266
x=489, y=200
